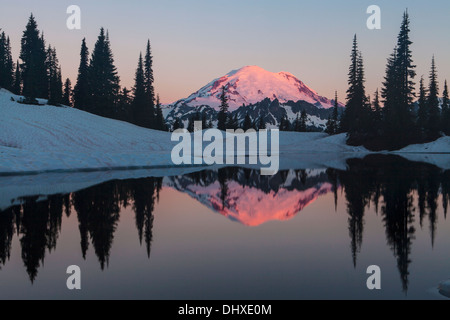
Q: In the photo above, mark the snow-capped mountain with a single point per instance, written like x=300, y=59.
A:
x=260, y=94
x=252, y=84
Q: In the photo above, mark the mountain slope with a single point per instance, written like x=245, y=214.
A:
x=252, y=84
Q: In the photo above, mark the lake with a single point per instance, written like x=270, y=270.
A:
x=231, y=233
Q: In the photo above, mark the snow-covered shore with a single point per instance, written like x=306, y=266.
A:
x=35, y=139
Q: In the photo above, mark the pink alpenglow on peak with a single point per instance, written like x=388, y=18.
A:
x=252, y=84
x=253, y=207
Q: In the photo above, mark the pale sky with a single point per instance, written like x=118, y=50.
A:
x=195, y=41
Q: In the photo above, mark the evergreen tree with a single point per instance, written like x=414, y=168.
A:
x=103, y=78
x=335, y=115
x=160, y=122
x=123, y=111
x=285, y=124
x=445, y=111
x=191, y=124
x=178, y=124
x=204, y=121
x=377, y=113
x=139, y=100
x=233, y=122
x=329, y=128
x=81, y=93
x=296, y=125
x=247, y=122
x=434, y=116
x=54, y=77
x=68, y=94
x=398, y=91
x=33, y=67
x=422, y=114
x=332, y=126
x=303, y=121
x=222, y=117
x=149, y=89
x=6, y=63
x=17, y=86
x=262, y=123
x=356, y=116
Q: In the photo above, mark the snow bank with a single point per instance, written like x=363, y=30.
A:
x=43, y=138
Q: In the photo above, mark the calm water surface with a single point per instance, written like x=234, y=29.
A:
x=233, y=234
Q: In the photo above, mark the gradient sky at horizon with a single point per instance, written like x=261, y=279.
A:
x=195, y=41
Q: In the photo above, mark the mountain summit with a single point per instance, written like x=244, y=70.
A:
x=252, y=84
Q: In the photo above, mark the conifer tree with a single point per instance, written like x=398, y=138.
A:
x=17, y=86
x=445, y=126
x=6, y=63
x=160, y=122
x=191, y=124
x=262, y=123
x=103, y=78
x=33, y=67
x=377, y=113
x=204, y=121
x=303, y=121
x=54, y=77
x=149, y=88
x=434, y=116
x=233, y=122
x=81, y=93
x=296, y=125
x=139, y=100
x=247, y=123
x=332, y=126
x=422, y=114
x=223, y=113
x=356, y=116
x=67, y=94
x=398, y=91
x=329, y=127
x=178, y=124
x=124, y=110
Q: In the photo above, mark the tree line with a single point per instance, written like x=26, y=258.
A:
x=97, y=89
x=400, y=121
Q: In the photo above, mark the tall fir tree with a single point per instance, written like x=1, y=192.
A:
x=54, y=77
x=434, y=112
x=398, y=91
x=247, y=123
x=262, y=123
x=103, y=78
x=160, y=122
x=81, y=92
x=17, y=86
x=303, y=121
x=233, y=122
x=139, y=100
x=332, y=126
x=124, y=110
x=222, y=117
x=377, y=113
x=355, y=118
x=68, y=93
x=6, y=63
x=422, y=113
x=445, y=123
x=149, y=88
x=285, y=124
x=33, y=67
x=178, y=124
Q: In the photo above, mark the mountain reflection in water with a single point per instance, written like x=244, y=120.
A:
x=403, y=193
